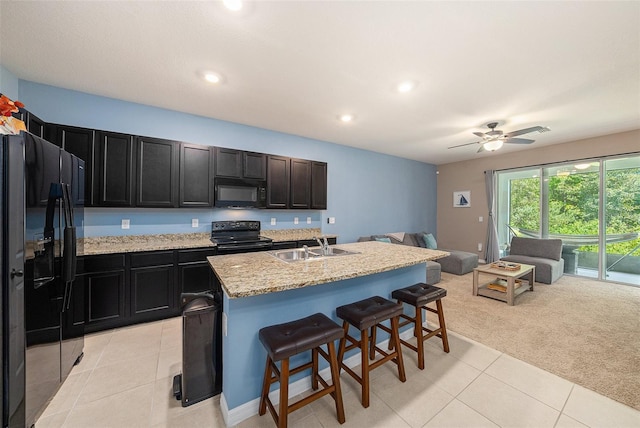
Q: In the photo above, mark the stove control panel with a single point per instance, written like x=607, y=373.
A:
x=238, y=226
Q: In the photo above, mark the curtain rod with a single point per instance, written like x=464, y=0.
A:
x=567, y=160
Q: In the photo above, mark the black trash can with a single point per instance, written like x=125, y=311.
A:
x=200, y=378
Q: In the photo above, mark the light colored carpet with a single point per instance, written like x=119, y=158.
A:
x=585, y=331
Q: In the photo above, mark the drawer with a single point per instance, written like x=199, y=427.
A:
x=152, y=258
x=100, y=263
x=198, y=255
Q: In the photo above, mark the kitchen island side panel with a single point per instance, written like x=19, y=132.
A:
x=243, y=354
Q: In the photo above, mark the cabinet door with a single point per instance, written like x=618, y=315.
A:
x=196, y=176
x=255, y=165
x=79, y=142
x=152, y=292
x=277, y=182
x=228, y=162
x=318, y=185
x=196, y=277
x=106, y=298
x=156, y=173
x=300, y=183
x=114, y=169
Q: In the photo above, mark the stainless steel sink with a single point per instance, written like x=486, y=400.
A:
x=314, y=253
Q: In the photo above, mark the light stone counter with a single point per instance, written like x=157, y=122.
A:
x=252, y=274
x=294, y=234
x=136, y=243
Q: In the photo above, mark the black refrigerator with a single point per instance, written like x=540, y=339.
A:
x=42, y=322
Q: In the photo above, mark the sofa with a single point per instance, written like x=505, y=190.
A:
x=458, y=262
x=544, y=254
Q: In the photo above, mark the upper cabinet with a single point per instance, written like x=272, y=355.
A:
x=79, y=142
x=300, y=184
x=156, y=173
x=278, y=181
x=196, y=175
x=240, y=164
x=318, y=185
x=114, y=169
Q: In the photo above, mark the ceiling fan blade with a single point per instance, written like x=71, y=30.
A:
x=479, y=134
x=519, y=141
x=525, y=131
x=462, y=145
x=481, y=149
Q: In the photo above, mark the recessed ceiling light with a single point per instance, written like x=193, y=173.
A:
x=346, y=118
x=212, y=77
x=582, y=165
x=234, y=5
x=406, y=86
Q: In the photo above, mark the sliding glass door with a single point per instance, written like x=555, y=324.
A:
x=593, y=206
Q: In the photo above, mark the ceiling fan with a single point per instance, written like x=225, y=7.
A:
x=493, y=140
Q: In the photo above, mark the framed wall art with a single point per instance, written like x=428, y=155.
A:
x=462, y=199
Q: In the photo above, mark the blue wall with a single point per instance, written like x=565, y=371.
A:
x=8, y=84
x=368, y=192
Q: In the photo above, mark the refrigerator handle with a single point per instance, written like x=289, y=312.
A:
x=69, y=249
x=44, y=258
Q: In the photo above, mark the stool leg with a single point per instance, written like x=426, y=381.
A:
x=266, y=383
x=283, y=413
x=419, y=340
x=372, y=343
x=395, y=335
x=443, y=333
x=364, y=340
x=342, y=345
x=335, y=378
x=314, y=369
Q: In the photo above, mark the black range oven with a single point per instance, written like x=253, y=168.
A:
x=242, y=236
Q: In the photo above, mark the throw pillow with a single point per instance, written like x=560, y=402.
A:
x=387, y=240
x=430, y=241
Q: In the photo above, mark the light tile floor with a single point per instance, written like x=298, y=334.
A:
x=125, y=380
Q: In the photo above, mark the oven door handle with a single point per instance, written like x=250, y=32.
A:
x=245, y=246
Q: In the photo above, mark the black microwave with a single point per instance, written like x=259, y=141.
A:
x=238, y=192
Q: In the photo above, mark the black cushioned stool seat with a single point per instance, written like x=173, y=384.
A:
x=283, y=341
x=364, y=315
x=418, y=295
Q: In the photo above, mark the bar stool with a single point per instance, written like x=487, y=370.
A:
x=418, y=295
x=283, y=341
x=364, y=315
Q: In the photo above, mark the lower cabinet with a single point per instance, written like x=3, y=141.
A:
x=122, y=289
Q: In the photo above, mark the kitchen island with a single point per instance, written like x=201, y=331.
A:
x=261, y=290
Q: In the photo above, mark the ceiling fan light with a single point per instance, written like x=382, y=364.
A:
x=582, y=165
x=493, y=145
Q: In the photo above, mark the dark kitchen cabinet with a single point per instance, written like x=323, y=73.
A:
x=152, y=285
x=156, y=173
x=318, y=185
x=103, y=279
x=79, y=142
x=34, y=124
x=114, y=169
x=300, y=184
x=240, y=164
x=284, y=245
x=194, y=272
x=278, y=181
x=196, y=175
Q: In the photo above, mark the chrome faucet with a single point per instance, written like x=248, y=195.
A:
x=324, y=245
x=306, y=252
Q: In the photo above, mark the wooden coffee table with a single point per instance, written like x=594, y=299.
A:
x=510, y=276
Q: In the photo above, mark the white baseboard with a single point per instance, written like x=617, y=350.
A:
x=245, y=411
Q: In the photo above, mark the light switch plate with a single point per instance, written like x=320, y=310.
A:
x=125, y=223
x=273, y=221
x=480, y=219
x=194, y=222
x=331, y=220
x=308, y=220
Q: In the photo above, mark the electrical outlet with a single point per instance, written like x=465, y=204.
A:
x=194, y=222
x=479, y=246
x=308, y=220
x=331, y=220
x=125, y=223
x=273, y=221
x=295, y=220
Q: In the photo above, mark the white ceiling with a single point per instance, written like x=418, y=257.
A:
x=295, y=66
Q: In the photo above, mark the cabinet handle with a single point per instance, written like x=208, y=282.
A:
x=18, y=273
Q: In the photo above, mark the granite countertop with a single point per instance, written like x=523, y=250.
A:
x=136, y=243
x=293, y=234
x=175, y=241
x=252, y=274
